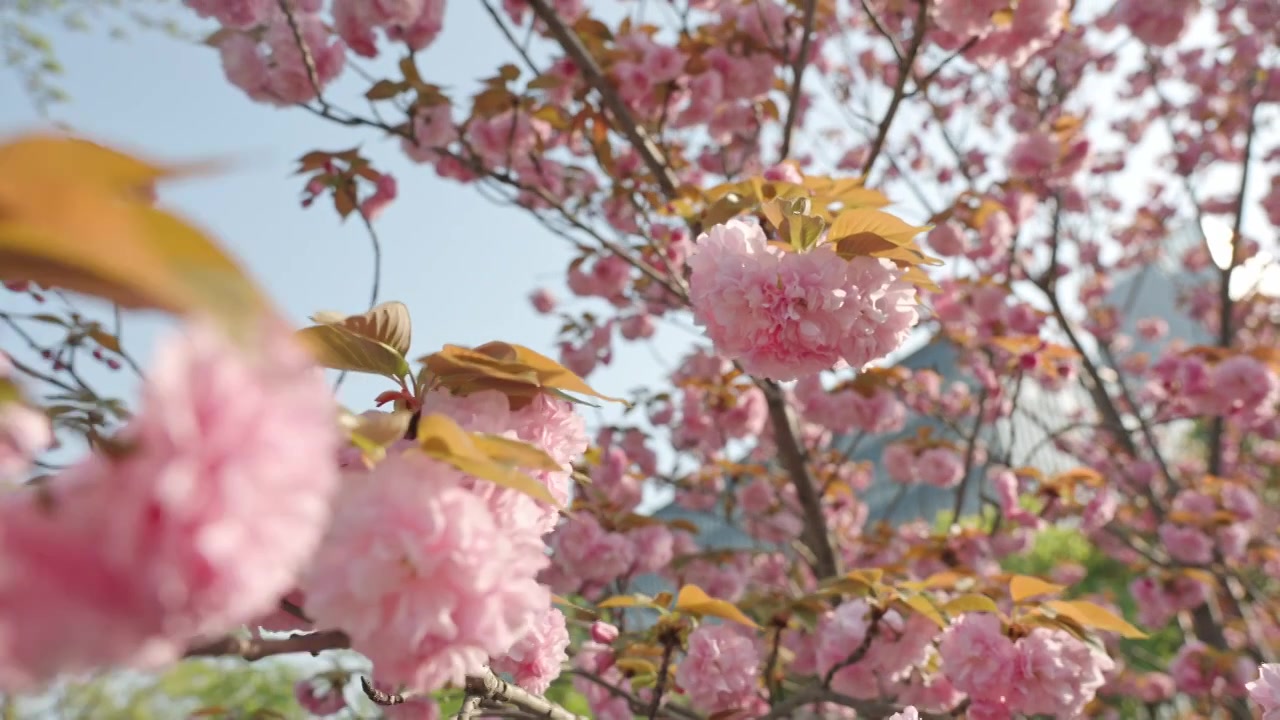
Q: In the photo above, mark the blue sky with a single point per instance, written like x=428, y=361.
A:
x=463, y=265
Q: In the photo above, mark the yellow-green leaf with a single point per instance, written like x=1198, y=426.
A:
x=83, y=160
x=512, y=369
x=861, y=244
x=972, y=602
x=1094, y=616
x=695, y=601
x=925, y=607
x=441, y=438
x=636, y=666
x=10, y=392
x=387, y=323
x=515, y=452
x=860, y=197
x=846, y=586
x=105, y=339
x=1022, y=587
x=385, y=90
x=1200, y=576
x=625, y=601
x=876, y=222
x=870, y=576
x=74, y=215
x=334, y=346
x=377, y=428
x=564, y=602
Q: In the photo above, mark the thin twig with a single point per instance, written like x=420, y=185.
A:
x=660, y=687
x=308, y=60
x=254, y=648
x=649, y=151
x=798, y=67
x=899, y=87
x=793, y=458
x=1225, y=304
x=970, y=451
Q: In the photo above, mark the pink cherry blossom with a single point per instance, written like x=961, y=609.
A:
x=385, y=191
x=603, y=632
x=273, y=70
x=147, y=546
x=1265, y=691
x=24, y=433
x=542, y=300
x=238, y=14
x=536, y=659
x=978, y=657
x=720, y=669
x=420, y=575
x=1156, y=23
x=1056, y=674
x=941, y=467
x=549, y=423
x=788, y=314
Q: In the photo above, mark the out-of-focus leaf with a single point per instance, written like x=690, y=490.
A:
x=970, y=603
x=628, y=601
x=1095, y=617
x=74, y=215
x=925, y=607
x=695, y=601
x=1022, y=587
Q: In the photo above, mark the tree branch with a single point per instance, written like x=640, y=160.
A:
x=797, y=74
x=816, y=537
x=970, y=451
x=820, y=695
x=899, y=87
x=490, y=687
x=1225, y=305
x=253, y=648
x=649, y=151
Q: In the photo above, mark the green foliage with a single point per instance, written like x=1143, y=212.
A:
x=26, y=28
x=563, y=692
x=238, y=689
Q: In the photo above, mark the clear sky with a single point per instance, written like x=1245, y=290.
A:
x=463, y=265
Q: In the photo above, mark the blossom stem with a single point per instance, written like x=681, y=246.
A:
x=661, y=687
